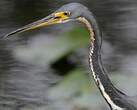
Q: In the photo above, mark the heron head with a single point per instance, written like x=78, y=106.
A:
x=66, y=13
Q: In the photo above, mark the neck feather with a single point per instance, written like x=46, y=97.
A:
x=108, y=91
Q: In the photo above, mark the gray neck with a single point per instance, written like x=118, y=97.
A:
x=109, y=92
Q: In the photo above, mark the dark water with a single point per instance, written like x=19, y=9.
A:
x=25, y=85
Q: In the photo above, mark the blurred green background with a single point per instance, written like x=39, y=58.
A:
x=47, y=69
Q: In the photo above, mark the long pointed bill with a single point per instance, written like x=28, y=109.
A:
x=51, y=19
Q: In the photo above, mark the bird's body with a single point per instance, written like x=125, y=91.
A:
x=75, y=11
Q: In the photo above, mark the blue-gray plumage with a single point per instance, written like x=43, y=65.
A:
x=116, y=99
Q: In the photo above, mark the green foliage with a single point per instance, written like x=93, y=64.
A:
x=69, y=42
x=53, y=49
x=76, y=89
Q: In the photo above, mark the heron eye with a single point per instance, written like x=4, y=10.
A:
x=66, y=13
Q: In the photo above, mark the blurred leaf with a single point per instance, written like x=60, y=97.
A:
x=63, y=45
x=74, y=83
x=51, y=50
x=76, y=89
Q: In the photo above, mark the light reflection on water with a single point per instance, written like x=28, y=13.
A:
x=118, y=22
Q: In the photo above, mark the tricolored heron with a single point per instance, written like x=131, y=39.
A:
x=116, y=99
